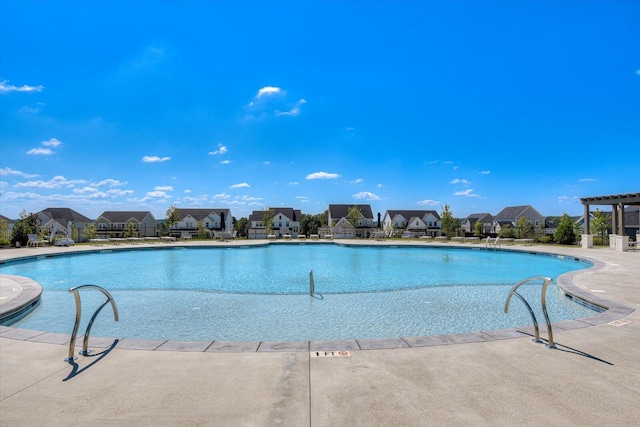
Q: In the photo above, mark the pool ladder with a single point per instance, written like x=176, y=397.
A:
x=74, y=334
x=513, y=291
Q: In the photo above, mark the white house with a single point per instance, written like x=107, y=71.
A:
x=63, y=221
x=364, y=225
x=211, y=219
x=417, y=222
x=286, y=221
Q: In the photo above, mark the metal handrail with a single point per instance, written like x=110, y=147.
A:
x=74, y=334
x=543, y=300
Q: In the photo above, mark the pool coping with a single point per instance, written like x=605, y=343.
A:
x=613, y=311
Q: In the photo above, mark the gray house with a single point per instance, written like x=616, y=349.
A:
x=511, y=215
x=114, y=223
x=486, y=219
x=58, y=222
x=286, y=222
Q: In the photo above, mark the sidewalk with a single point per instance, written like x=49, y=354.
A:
x=592, y=378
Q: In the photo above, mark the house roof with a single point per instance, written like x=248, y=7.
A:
x=342, y=211
x=412, y=213
x=64, y=215
x=477, y=216
x=512, y=212
x=199, y=213
x=124, y=216
x=8, y=220
x=292, y=214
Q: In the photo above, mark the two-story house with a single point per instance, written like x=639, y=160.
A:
x=284, y=221
x=115, y=223
x=469, y=223
x=341, y=224
x=415, y=222
x=510, y=216
x=63, y=222
x=212, y=220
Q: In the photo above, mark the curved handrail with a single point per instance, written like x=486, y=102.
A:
x=74, y=334
x=543, y=299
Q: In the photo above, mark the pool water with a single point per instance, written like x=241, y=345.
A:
x=262, y=293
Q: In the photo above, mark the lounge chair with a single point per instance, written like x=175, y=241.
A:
x=185, y=235
x=34, y=240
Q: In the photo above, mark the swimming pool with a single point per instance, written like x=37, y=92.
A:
x=262, y=293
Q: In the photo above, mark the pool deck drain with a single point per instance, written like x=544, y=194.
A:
x=593, y=378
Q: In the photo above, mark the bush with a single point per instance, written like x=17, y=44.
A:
x=546, y=239
x=5, y=242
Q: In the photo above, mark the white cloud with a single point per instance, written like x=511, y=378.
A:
x=268, y=91
x=323, y=175
x=427, y=202
x=56, y=182
x=163, y=188
x=366, y=195
x=156, y=194
x=484, y=172
x=241, y=185
x=225, y=162
x=40, y=152
x=110, y=182
x=6, y=87
x=586, y=180
x=221, y=150
x=293, y=111
x=187, y=191
x=293, y=183
x=466, y=193
x=53, y=142
x=11, y=172
x=356, y=181
x=155, y=159
x=221, y=196
x=459, y=181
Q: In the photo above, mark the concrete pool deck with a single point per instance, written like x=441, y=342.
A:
x=592, y=378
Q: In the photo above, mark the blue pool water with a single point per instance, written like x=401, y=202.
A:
x=261, y=293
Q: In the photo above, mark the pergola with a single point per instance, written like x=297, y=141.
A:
x=617, y=203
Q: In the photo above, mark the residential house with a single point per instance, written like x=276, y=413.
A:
x=509, y=216
x=6, y=227
x=57, y=222
x=486, y=219
x=364, y=226
x=212, y=220
x=286, y=221
x=416, y=222
x=115, y=223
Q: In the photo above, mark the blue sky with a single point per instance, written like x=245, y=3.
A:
x=139, y=105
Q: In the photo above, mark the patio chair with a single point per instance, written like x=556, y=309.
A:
x=185, y=235
x=34, y=240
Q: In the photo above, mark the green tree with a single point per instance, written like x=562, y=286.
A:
x=27, y=224
x=267, y=219
x=241, y=226
x=446, y=216
x=202, y=232
x=90, y=231
x=354, y=215
x=565, y=234
x=600, y=224
x=525, y=229
x=173, y=217
x=508, y=232
x=4, y=229
x=130, y=230
x=478, y=229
